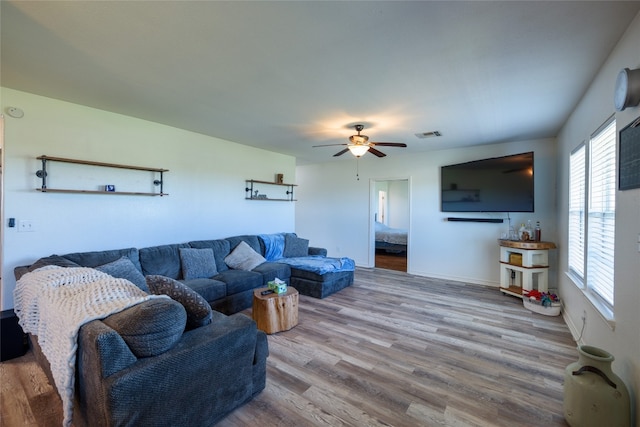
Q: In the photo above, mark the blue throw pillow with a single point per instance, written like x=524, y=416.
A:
x=295, y=247
x=123, y=268
x=198, y=309
x=197, y=263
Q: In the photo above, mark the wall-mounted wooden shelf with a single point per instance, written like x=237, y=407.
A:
x=254, y=193
x=43, y=175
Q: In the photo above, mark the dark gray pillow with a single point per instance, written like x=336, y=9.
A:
x=123, y=268
x=243, y=257
x=151, y=327
x=295, y=246
x=197, y=263
x=52, y=260
x=198, y=309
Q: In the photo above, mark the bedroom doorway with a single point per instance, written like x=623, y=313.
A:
x=391, y=224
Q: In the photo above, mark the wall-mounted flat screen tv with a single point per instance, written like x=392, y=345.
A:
x=499, y=184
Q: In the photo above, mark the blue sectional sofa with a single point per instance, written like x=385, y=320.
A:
x=214, y=367
x=228, y=290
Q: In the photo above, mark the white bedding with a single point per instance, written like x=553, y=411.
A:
x=386, y=234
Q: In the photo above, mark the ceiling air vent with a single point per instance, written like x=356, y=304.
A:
x=424, y=135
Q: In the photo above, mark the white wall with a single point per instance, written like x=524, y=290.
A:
x=399, y=203
x=622, y=339
x=333, y=210
x=397, y=214
x=205, y=182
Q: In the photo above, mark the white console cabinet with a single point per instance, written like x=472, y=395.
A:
x=524, y=266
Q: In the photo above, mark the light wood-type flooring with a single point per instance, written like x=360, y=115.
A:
x=391, y=350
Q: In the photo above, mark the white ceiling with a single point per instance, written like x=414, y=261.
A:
x=285, y=76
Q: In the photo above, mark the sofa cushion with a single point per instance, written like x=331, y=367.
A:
x=123, y=268
x=243, y=257
x=221, y=248
x=197, y=263
x=151, y=327
x=52, y=260
x=272, y=270
x=198, y=309
x=163, y=260
x=240, y=280
x=96, y=258
x=294, y=246
x=208, y=289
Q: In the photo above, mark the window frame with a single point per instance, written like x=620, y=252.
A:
x=592, y=214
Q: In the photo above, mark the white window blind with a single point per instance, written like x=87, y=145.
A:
x=601, y=212
x=577, y=201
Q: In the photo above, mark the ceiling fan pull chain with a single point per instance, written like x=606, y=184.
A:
x=358, y=168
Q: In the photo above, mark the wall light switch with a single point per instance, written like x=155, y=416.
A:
x=26, y=225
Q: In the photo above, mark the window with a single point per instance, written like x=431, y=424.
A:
x=592, y=184
x=577, y=198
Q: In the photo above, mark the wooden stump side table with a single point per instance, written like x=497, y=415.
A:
x=275, y=312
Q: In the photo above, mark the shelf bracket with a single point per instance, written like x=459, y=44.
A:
x=43, y=174
x=160, y=182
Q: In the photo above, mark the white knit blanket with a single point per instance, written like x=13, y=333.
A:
x=54, y=302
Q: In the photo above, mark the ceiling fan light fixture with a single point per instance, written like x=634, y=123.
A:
x=358, y=149
x=359, y=139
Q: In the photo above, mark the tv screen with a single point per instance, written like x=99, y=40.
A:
x=499, y=184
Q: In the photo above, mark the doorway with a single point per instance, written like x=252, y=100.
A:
x=391, y=218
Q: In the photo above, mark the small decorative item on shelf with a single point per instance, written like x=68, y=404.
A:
x=537, y=233
x=541, y=302
x=279, y=178
x=110, y=187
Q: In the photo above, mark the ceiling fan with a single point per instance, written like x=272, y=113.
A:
x=359, y=145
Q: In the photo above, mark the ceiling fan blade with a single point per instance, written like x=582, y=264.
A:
x=376, y=152
x=390, y=144
x=327, y=145
x=340, y=153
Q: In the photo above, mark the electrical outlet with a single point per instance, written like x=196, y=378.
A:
x=26, y=225
x=584, y=316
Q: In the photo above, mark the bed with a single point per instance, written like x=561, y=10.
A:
x=390, y=239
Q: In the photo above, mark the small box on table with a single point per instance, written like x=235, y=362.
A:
x=278, y=286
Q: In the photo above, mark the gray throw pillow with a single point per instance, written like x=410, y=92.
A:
x=243, y=257
x=294, y=246
x=123, y=268
x=197, y=263
x=198, y=309
x=151, y=327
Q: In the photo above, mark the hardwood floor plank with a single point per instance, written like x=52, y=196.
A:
x=391, y=350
